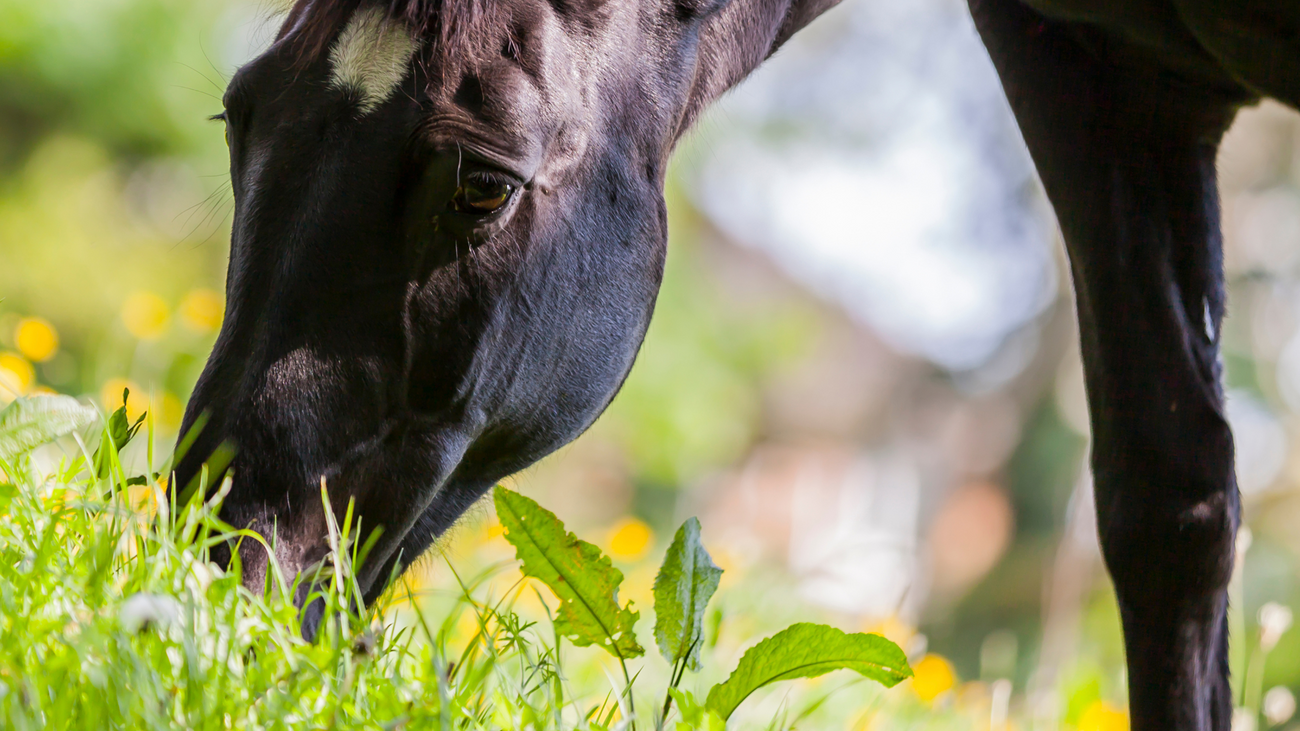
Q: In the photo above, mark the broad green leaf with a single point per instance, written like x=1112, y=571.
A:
x=28, y=423
x=686, y=582
x=806, y=651
x=580, y=575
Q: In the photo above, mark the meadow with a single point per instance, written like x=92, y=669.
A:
x=115, y=618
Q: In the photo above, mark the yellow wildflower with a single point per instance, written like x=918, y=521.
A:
x=36, y=339
x=891, y=628
x=629, y=539
x=110, y=397
x=1102, y=716
x=169, y=411
x=16, y=376
x=145, y=315
x=201, y=310
x=934, y=676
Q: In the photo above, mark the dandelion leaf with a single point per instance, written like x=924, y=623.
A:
x=686, y=582
x=583, y=578
x=28, y=423
x=806, y=651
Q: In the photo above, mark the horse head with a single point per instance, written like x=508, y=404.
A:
x=449, y=233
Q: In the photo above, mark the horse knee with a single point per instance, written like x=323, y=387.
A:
x=1172, y=554
x=1168, y=517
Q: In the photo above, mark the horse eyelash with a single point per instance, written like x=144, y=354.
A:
x=220, y=117
x=492, y=177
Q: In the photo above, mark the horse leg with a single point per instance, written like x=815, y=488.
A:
x=1126, y=154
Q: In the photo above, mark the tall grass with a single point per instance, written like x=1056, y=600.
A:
x=112, y=617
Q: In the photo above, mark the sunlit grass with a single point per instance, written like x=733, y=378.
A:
x=111, y=616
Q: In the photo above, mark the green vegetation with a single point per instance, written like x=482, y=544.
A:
x=111, y=616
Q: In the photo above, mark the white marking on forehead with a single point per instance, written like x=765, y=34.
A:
x=371, y=57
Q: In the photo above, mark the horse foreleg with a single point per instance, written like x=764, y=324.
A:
x=1126, y=154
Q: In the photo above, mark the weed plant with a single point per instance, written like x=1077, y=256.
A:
x=112, y=616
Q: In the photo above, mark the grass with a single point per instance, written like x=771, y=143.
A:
x=112, y=617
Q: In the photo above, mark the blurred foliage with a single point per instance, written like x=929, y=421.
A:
x=691, y=402
x=103, y=203
x=107, y=72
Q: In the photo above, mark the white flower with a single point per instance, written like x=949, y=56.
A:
x=1274, y=621
x=1279, y=705
x=204, y=573
x=1243, y=719
x=142, y=611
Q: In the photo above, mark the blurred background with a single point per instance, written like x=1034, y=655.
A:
x=862, y=373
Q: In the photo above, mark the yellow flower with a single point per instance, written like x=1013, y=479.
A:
x=730, y=561
x=466, y=628
x=1102, y=716
x=891, y=628
x=145, y=315
x=36, y=338
x=629, y=539
x=934, y=676
x=110, y=397
x=16, y=376
x=141, y=499
x=201, y=310
x=169, y=411
x=414, y=584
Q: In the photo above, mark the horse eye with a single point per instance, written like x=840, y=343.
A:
x=481, y=198
x=224, y=119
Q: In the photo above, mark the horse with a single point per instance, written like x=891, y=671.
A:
x=450, y=231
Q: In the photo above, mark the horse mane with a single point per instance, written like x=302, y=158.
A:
x=450, y=24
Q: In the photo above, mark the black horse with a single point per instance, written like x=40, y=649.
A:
x=449, y=234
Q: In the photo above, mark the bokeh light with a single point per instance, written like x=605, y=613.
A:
x=201, y=311
x=16, y=376
x=110, y=397
x=629, y=539
x=169, y=410
x=934, y=676
x=36, y=339
x=145, y=315
x=1102, y=716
